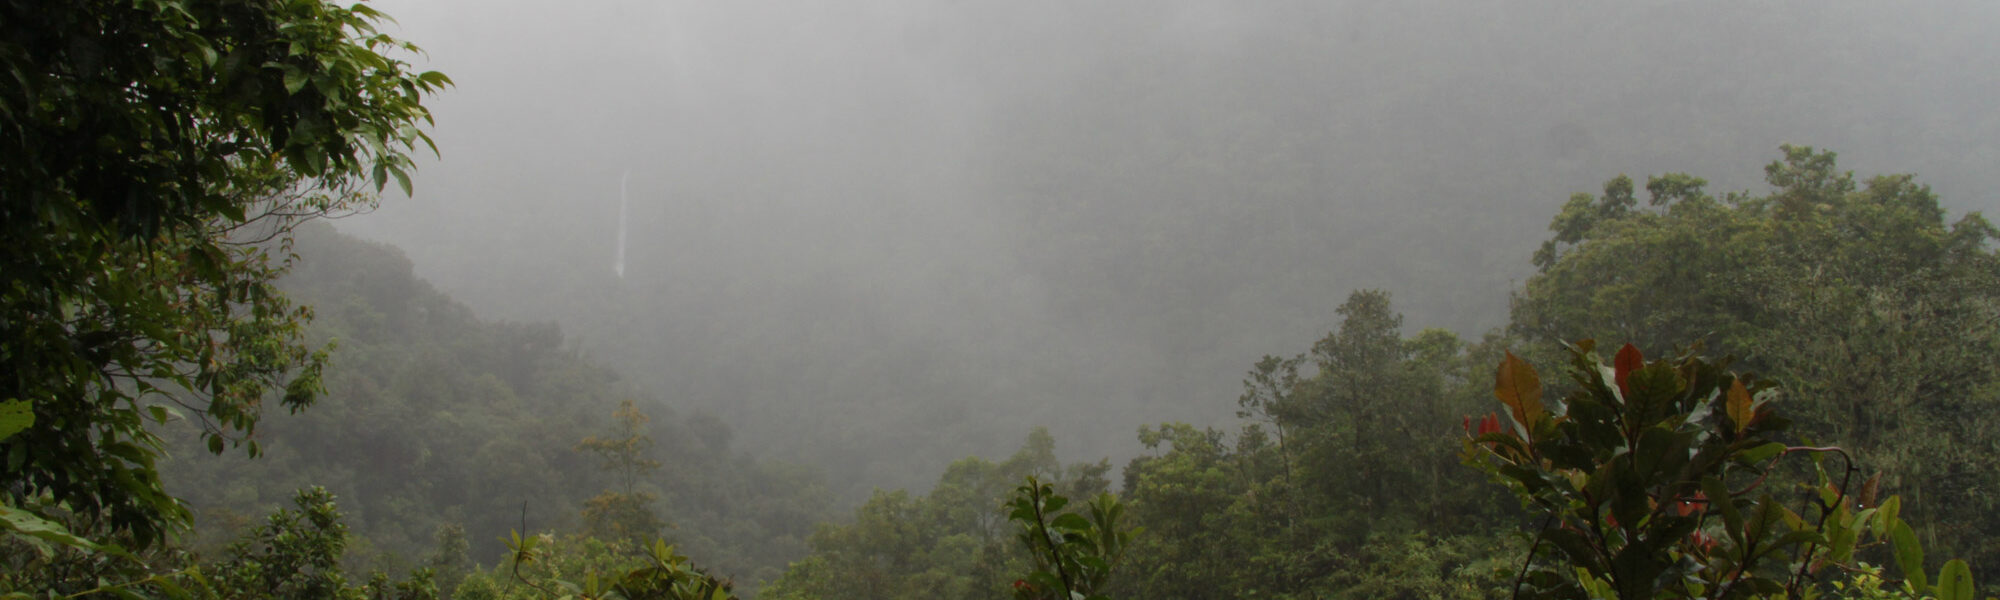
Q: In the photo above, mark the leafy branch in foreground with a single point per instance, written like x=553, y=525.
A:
x=1074, y=554
x=1654, y=480
x=151, y=144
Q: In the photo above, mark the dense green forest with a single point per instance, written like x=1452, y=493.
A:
x=438, y=420
x=208, y=392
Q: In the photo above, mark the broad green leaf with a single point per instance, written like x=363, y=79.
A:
x=402, y=180
x=1909, y=555
x=1792, y=519
x=1955, y=581
x=1719, y=498
x=1070, y=522
x=1762, y=453
x=121, y=593
x=295, y=80
x=1886, y=517
x=15, y=415
x=1517, y=386
x=24, y=523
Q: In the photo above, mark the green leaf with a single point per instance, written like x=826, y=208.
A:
x=295, y=79
x=15, y=415
x=1886, y=517
x=434, y=78
x=121, y=593
x=1955, y=581
x=402, y=180
x=1719, y=498
x=1761, y=453
x=1071, y=522
x=1792, y=519
x=24, y=523
x=1909, y=555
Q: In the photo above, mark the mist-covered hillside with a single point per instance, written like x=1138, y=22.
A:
x=438, y=420
x=879, y=236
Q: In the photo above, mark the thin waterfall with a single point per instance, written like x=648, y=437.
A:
x=624, y=204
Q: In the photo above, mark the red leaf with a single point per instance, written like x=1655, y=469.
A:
x=1517, y=386
x=1690, y=505
x=1628, y=360
x=1701, y=541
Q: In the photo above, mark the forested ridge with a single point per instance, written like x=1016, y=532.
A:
x=439, y=419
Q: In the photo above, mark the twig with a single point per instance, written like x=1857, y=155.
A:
x=521, y=552
x=1055, y=555
x=1523, y=575
x=1826, y=512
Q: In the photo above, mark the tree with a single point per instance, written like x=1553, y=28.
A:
x=1880, y=316
x=149, y=147
x=1366, y=426
x=625, y=514
x=1353, y=496
x=1360, y=378
x=296, y=556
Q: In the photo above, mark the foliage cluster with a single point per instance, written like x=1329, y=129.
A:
x=1075, y=553
x=1878, y=315
x=145, y=142
x=954, y=542
x=1656, y=481
x=294, y=555
x=538, y=567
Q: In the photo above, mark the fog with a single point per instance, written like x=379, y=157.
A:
x=874, y=237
